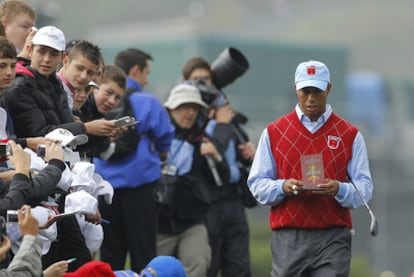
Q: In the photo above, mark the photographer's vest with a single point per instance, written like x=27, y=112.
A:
x=289, y=139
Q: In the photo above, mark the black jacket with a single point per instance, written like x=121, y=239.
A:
x=95, y=144
x=191, y=195
x=44, y=183
x=38, y=105
x=23, y=190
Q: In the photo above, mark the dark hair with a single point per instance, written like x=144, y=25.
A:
x=87, y=49
x=195, y=63
x=130, y=57
x=7, y=49
x=115, y=74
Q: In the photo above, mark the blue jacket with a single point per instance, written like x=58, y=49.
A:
x=143, y=165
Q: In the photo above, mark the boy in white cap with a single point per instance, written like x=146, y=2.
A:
x=37, y=102
x=303, y=169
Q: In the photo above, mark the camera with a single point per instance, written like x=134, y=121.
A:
x=228, y=66
x=12, y=216
x=5, y=150
x=41, y=150
x=209, y=93
x=125, y=121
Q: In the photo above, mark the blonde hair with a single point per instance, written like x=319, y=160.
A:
x=10, y=9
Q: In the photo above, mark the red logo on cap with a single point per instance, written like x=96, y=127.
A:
x=311, y=70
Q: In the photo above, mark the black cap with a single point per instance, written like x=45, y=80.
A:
x=70, y=44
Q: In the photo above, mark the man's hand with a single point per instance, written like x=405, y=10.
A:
x=208, y=148
x=24, y=53
x=94, y=218
x=292, y=187
x=247, y=150
x=57, y=269
x=7, y=175
x=224, y=114
x=331, y=188
x=34, y=142
x=28, y=224
x=5, y=245
x=117, y=132
x=54, y=151
x=19, y=158
x=101, y=127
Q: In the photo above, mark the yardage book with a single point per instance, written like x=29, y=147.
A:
x=312, y=171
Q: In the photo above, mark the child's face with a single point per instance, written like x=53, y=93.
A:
x=107, y=97
x=7, y=72
x=18, y=29
x=79, y=71
x=80, y=95
x=45, y=60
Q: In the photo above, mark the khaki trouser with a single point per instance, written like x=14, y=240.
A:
x=191, y=247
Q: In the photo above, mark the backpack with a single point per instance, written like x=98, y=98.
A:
x=128, y=141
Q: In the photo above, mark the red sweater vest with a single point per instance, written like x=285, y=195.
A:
x=289, y=139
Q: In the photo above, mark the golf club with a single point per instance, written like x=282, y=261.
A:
x=373, y=228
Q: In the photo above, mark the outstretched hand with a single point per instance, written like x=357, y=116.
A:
x=19, y=158
x=28, y=224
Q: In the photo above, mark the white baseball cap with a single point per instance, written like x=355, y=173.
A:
x=184, y=94
x=50, y=36
x=80, y=202
x=82, y=177
x=312, y=74
x=67, y=138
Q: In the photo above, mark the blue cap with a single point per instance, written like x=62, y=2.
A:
x=164, y=266
x=312, y=74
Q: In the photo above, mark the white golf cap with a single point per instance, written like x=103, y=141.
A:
x=184, y=94
x=50, y=36
x=312, y=74
x=67, y=138
x=80, y=202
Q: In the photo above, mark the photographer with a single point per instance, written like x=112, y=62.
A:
x=27, y=261
x=226, y=220
x=182, y=229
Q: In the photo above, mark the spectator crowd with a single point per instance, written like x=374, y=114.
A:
x=96, y=171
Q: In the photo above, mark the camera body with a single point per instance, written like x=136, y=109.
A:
x=212, y=96
x=125, y=121
x=5, y=150
x=41, y=150
x=11, y=216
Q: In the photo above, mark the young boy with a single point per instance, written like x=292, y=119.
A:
x=36, y=101
x=17, y=18
x=7, y=63
x=80, y=66
x=108, y=95
x=99, y=103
